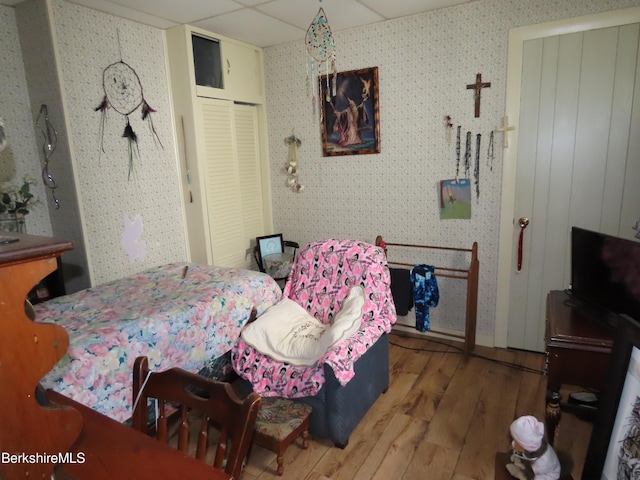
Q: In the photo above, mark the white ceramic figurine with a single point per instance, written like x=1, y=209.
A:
x=532, y=457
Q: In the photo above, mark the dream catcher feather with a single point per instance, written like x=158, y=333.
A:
x=123, y=93
x=321, y=51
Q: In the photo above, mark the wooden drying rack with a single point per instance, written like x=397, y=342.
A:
x=470, y=275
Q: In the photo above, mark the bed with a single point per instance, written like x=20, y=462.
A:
x=178, y=315
x=349, y=377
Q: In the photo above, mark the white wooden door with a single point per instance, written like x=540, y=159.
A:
x=577, y=157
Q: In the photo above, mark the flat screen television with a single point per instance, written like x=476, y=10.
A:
x=605, y=274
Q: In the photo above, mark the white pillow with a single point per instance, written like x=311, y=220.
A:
x=287, y=333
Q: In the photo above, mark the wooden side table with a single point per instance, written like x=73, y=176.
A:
x=577, y=348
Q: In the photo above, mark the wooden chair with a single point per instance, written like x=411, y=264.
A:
x=188, y=392
x=280, y=421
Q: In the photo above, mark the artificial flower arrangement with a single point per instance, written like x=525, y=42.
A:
x=16, y=200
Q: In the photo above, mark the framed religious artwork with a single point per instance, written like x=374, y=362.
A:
x=614, y=448
x=268, y=245
x=350, y=117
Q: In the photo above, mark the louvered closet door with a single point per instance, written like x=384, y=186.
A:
x=250, y=179
x=232, y=181
x=221, y=189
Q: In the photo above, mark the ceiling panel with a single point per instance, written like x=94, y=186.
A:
x=260, y=22
x=403, y=8
x=341, y=14
x=175, y=10
x=252, y=27
x=124, y=12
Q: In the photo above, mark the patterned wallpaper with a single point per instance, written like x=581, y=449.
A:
x=424, y=64
x=36, y=40
x=88, y=41
x=20, y=158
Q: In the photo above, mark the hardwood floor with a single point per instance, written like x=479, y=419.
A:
x=441, y=418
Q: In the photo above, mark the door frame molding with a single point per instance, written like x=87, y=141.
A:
x=517, y=37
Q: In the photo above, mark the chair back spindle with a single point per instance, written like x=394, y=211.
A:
x=215, y=401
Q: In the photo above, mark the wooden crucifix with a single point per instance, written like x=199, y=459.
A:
x=478, y=86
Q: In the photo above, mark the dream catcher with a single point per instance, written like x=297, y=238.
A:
x=321, y=51
x=123, y=92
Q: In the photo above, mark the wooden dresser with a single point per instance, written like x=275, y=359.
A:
x=578, y=349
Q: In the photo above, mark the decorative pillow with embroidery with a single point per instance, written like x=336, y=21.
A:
x=287, y=333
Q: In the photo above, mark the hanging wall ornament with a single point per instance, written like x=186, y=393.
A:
x=292, y=163
x=123, y=93
x=321, y=53
x=476, y=167
x=448, y=128
x=49, y=143
x=3, y=136
x=490, y=152
x=467, y=155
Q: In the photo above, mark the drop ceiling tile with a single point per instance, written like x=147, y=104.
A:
x=403, y=8
x=182, y=11
x=252, y=3
x=252, y=27
x=341, y=14
x=125, y=12
x=395, y=9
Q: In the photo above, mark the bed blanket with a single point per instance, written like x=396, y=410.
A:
x=174, y=321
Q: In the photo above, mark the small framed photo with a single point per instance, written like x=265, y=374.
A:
x=613, y=449
x=268, y=245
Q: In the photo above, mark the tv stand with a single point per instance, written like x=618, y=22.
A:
x=577, y=348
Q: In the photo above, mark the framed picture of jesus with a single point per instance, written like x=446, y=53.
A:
x=350, y=122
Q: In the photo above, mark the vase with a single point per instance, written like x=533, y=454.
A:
x=12, y=223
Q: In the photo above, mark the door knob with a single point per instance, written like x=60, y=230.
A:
x=523, y=222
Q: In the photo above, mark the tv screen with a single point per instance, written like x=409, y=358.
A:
x=605, y=271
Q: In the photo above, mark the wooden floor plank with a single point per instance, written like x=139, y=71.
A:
x=450, y=424
x=432, y=462
x=343, y=464
x=394, y=449
x=489, y=428
x=432, y=383
x=442, y=418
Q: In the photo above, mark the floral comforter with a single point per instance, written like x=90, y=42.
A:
x=175, y=321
